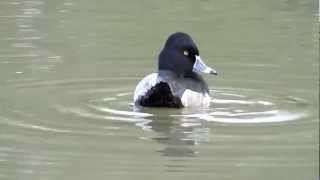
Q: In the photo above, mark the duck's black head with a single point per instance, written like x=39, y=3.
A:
x=181, y=56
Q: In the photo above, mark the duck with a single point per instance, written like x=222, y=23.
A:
x=178, y=82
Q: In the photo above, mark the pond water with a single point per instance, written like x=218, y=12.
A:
x=68, y=70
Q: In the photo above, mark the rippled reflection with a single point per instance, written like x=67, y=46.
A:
x=178, y=136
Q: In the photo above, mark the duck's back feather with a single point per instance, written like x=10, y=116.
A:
x=160, y=95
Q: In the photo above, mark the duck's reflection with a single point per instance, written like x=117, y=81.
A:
x=179, y=135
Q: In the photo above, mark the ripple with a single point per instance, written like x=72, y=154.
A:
x=93, y=108
x=118, y=112
x=85, y=113
x=259, y=117
x=232, y=101
x=227, y=106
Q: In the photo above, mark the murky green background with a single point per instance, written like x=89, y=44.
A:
x=68, y=69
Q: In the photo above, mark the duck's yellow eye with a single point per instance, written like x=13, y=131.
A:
x=186, y=53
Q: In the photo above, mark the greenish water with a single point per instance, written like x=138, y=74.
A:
x=68, y=70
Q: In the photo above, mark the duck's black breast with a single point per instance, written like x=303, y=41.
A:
x=160, y=95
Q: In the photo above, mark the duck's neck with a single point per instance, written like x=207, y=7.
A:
x=168, y=73
x=191, y=75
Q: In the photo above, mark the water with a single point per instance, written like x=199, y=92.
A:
x=68, y=70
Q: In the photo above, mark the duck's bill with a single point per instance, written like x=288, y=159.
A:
x=200, y=67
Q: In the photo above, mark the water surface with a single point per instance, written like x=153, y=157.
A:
x=68, y=70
